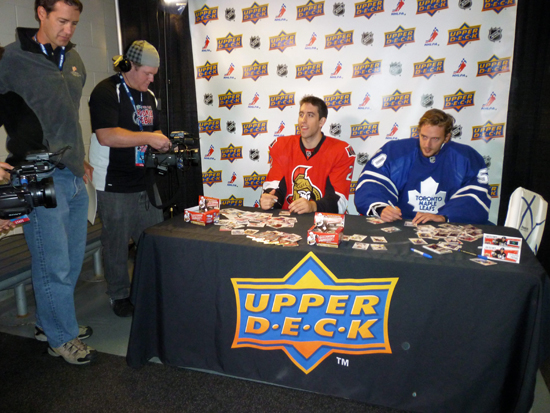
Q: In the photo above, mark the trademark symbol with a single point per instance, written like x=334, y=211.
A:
x=342, y=362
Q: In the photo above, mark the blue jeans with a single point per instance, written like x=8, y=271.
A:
x=124, y=216
x=57, y=239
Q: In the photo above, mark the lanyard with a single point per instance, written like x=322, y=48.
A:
x=131, y=100
x=61, y=53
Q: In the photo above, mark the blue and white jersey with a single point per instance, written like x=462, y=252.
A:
x=453, y=183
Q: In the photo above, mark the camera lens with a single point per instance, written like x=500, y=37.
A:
x=43, y=193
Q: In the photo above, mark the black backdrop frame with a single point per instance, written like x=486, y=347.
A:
x=527, y=151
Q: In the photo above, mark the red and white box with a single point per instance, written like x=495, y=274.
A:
x=327, y=231
x=207, y=212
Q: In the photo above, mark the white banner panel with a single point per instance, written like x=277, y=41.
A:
x=378, y=64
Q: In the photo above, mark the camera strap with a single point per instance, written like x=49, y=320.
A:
x=153, y=192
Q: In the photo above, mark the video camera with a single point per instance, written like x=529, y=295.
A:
x=30, y=186
x=180, y=155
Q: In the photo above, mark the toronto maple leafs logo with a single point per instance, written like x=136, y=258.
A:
x=428, y=199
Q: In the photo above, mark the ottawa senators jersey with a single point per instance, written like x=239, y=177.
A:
x=322, y=174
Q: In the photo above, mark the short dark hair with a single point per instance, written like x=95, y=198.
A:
x=318, y=103
x=49, y=5
x=436, y=117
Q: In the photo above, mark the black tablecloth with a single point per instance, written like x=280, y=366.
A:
x=460, y=336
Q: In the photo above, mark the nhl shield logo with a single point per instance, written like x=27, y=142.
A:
x=208, y=99
x=335, y=129
x=254, y=155
x=282, y=70
x=362, y=158
x=487, y=159
x=231, y=126
x=230, y=14
x=456, y=132
x=396, y=68
x=339, y=9
x=367, y=38
x=465, y=4
x=495, y=34
x=255, y=42
x=427, y=100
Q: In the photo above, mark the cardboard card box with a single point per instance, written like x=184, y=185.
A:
x=327, y=230
x=207, y=212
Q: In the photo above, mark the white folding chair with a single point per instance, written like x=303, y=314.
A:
x=527, y=213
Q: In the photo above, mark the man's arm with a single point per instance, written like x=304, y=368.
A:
x=123, y=138
x=274, y=185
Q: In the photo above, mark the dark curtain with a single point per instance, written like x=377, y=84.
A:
x=174, y=86
x=528, y=125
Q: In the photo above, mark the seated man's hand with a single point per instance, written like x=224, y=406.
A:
x=390, y=214
x=423, y=217
x=302, y=206
x=160, y=142
x=268, y=199
x=3, y=168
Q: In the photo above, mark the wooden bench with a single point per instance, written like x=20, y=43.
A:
x=15, y=263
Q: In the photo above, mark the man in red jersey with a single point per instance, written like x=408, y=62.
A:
x=309, y=172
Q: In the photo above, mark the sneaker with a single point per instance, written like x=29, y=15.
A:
x=83, y=333
x=74, y=352
x=122, y=307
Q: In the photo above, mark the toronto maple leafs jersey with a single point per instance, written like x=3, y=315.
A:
x=453, y=183
x=322, y=174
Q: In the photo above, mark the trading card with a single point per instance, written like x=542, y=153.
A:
x=409, y=224
x=346, y=237
x=379, y=247
x=373, y=220
x=418, y=241
x=378, y=239
x=429, y=228
x=360, y=246
x=251, y=231
x=450, y=246
x=421, y=234
x=437, y=249
x=390, y=229
x=289, y=244
x=237, y=232
x=482, y=261
x=357, y=237
x=467, y=238
x=284, y=213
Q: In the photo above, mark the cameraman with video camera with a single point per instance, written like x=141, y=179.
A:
x=124, y=122
x=41, y=81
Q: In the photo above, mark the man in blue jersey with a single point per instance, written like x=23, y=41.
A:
x=426, y=179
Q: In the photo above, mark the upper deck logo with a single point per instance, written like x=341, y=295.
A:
x=493, y=66
x=282, y=41
x=232, y=202
x=414, y=132
x=231, y=153
x=211, y=177
x=488, y=131
x=464, y=35
x=367, y=68
x=281, y=100
x=337, y=100
x=459, y=100
x=209, y=125
x=230, y=99
x=396, y=100
x=431, y=6
x=497, y=5
x=399, y=37
x=353, y=184
x=206, y=14
x=309, y=69
x=255, y=13
x=254, y=180
x=229, y=42
x=429, y=67
x=494, y=190
x=365, y=130
x=310, y=314
x=310, y=10
x=207, y=71
x=368, y=8
x=255, y=70
x=254, y=127
x=338, y=39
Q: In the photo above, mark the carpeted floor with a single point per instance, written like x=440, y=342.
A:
x=33, y=381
